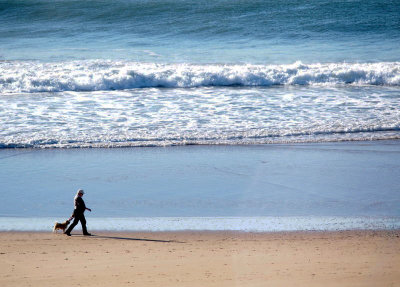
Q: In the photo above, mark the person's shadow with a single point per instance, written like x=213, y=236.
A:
x=135, y=239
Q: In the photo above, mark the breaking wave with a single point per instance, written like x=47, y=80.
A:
x=32, y=77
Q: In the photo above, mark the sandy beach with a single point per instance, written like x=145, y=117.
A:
x=346, y=258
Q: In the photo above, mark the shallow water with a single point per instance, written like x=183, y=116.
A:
x=342, y=179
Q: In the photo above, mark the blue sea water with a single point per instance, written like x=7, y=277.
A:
x=134, y=73
x=223, y=31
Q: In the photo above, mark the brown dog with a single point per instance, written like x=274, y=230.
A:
x=61, y=226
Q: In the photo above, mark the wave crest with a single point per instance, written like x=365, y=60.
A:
x=31, y=77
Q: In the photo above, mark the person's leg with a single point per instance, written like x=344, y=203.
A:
x=74, y=223
x=83, y=223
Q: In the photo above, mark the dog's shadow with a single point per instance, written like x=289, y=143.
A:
x=134, y=239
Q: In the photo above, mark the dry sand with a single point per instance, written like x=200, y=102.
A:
x=348, y=258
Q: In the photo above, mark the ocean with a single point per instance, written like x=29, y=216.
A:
x=160, y=74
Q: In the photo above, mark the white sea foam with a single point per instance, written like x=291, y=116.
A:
x=203, y=115
x=106, y=104
x=31, y=77
x=247, y=224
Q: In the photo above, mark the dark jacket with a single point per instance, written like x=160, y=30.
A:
x=80, y=206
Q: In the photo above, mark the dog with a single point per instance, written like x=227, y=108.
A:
x=61, y=226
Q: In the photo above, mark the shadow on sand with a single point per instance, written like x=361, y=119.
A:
x=134, y=239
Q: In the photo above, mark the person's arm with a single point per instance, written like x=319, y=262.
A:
x=80, y=205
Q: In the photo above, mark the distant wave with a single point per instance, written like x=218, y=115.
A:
x=32, y=77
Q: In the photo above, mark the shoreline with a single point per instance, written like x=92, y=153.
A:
x=227, y=144
x=349, y=258
x=78, y=233
x=233, y=224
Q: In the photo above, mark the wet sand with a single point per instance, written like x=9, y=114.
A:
x=346, y=258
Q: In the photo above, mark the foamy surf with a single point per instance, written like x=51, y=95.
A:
x=203, y=115
x=102, y=75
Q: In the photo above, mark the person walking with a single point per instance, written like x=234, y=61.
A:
x=78, y=214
